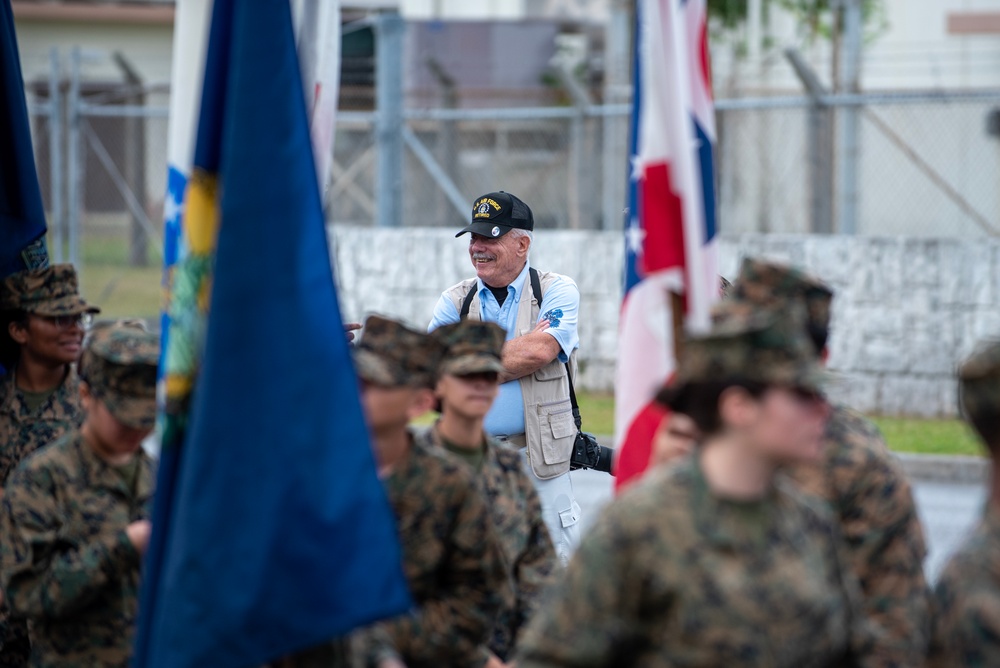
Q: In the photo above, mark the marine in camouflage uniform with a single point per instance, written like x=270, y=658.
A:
x=50, y=292
x=674, y=574
x=863, y=483
x=967, y=595
x=451, y=558
x=67, y=562
x=28, y=420
x=473, y=347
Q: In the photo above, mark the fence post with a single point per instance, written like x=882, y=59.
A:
x=614, y=131
x=389, y=119
x=135, y=160
x=820, y=145
x=847, y=202
x=56, y=166
x=74, y=161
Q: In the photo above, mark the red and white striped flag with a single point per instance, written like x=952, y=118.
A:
x=670, y=235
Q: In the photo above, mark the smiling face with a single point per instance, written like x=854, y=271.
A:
x=498, y=261
x=50, y=341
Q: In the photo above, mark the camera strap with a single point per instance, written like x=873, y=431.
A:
x=536, y=290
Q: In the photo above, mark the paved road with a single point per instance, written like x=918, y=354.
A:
x=948, y=511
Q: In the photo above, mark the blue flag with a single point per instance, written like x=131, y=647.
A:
x=22, y=217
x=272, y=532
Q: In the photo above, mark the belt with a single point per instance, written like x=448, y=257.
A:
x=516, y=441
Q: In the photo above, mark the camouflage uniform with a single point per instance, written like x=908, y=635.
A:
x=865, y=486
x=47, y=292
x=673, y=575
x=451, y=558
x=967, y=595
x=475, y=347
x=67, y=564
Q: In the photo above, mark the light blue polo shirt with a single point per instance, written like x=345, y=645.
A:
x=560, y=304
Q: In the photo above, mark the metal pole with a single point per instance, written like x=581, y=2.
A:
x=614, y=130
x=850, y=72
x=55, y=156
x=389, y=119
x=135, y=162
x=74, y=161
x=820, y=145
x=755, y=11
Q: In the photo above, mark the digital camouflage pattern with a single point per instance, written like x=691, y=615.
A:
x=869, y=493
x=391, y=354
x=672, y=575
x=470, y=346
x=748, y=343
x=22, y=431
x=453, y=565
x=65, y=560
x=529, y=555
x=119, y=364
x=979, y=381
x=967, y=595
x=52, y=291
x=862, y=482
x=767, y=283
x=967, y=602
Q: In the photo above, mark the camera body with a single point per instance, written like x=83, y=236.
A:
x=589, y=454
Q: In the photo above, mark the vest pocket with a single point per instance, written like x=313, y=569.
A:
x=555, y=422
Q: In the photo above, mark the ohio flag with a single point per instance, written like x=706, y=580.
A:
x=670, y=234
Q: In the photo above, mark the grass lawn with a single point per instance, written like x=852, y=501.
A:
x=932, y=437
x=107, y=281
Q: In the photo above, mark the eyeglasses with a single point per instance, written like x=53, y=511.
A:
x=82, y=320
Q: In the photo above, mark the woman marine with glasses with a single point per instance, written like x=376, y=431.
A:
x=42, y=323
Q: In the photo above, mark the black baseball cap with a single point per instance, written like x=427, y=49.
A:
x=496, y=214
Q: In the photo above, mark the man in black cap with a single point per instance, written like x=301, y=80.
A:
x=538, y=310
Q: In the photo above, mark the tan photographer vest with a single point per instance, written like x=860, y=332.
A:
x=548, y=415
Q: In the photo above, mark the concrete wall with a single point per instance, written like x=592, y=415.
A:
x=906, y=311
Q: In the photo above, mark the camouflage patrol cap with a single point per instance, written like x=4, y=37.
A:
x=471, y=346
x=119, y=365
x=747, y=343
x=390, y=354
x=770, y=283
x=52, y=291
x=979, y=382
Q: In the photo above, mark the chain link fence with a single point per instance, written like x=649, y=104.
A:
x=922, y=165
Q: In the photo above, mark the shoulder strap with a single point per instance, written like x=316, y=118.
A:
x=467, y=302
x=536, y=285
x=536, y=289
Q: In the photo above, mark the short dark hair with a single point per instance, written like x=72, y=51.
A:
x=10, y=349
x=986, y=423
x=700, y=401
x=819, y=336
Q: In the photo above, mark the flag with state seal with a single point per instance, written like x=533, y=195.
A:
x=670, y=233
x=271, y=531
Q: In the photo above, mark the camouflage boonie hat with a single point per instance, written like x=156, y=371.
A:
x=52, y=291
x=393, y=355
x=748, y=343
x=773, y=284
x=119, y=365
x=471, y=347
x=979, y=381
